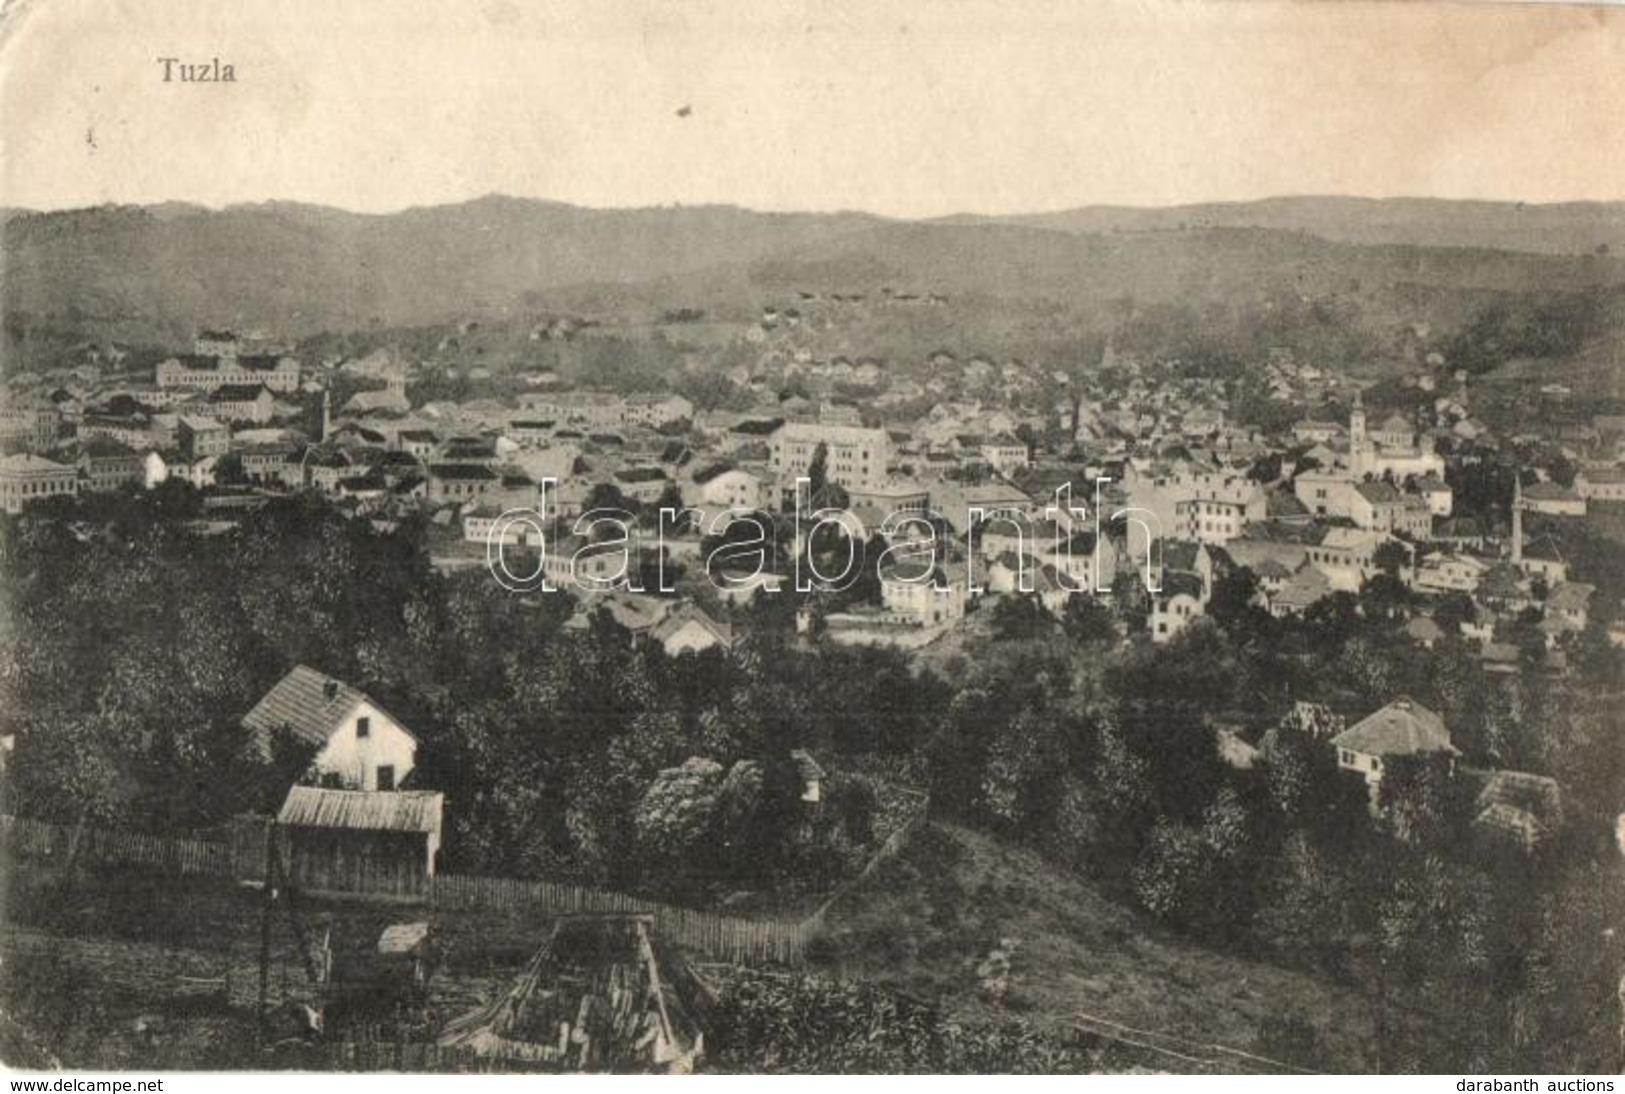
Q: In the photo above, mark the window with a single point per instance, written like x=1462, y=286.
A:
x=363, y=727
x=386, y=776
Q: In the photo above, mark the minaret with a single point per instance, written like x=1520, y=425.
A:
x=1517, y=521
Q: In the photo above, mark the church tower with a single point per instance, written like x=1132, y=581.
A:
x=1359, y=443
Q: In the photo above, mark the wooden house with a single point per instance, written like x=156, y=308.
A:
x=357, y=742
x=360, y=841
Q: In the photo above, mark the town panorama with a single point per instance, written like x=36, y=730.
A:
x=1132, y=640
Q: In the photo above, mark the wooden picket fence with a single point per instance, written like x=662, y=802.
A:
x=726, y=938
x=34, y=839
x=237, y=852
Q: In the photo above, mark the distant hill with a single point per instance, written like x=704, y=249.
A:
x=1573, y=228
x=299, y=268
x=998, y=259
x=1055, y=281
x=154, y=274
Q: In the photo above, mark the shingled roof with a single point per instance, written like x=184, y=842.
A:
x=1178, y=583
x=1527, y=808
x=807, y=767
x=369, y=810
x=310, y=704
x=688, y=612
x=1401, y=728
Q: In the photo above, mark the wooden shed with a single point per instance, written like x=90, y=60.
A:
x=360, y=841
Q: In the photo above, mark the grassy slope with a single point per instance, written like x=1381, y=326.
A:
x=923, y=922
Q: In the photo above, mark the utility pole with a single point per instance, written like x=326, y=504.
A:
x=267, y=906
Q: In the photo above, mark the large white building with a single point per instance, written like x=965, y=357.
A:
x=25, y=478
x=856, y=458
x=1205, y=505
x=208, y=372
x=1378, y=456
x=29, y=426
x=1601, y=483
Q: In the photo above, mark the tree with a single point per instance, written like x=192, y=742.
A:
x=1302, y=910
x=1453, y=609
x=679, y=815
x=1019, y=618
x=1563, y=470
x=68, y=771
x=1161, y=699
x=1231, y=603
x=956, y=753
x=1331, y=620
x=1312, y=794
x=1265, y=469
x=1169, y=876
x=1423, y=804
x=818, y=470
x=1018, y=783
x=1087, y=620
x=1384, y=597
x=606, y=495
x=1391, y=557
x=1231, y=888
x=671, y=498
x=699, y=823
x=1131, y=600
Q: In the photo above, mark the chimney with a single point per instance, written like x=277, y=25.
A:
x=330, y=690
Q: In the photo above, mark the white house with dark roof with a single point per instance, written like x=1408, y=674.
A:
x=655, y=409
x=1005, y=453
x=1402, y=728
x=1180, y=599
x=1438, y=495
x=718, y=487
x=686, y=628
x=1568, y=604
x=241, y=403
x=356, y=740
x=914, y=590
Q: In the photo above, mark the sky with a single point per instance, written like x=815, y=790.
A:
x=904, y=109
